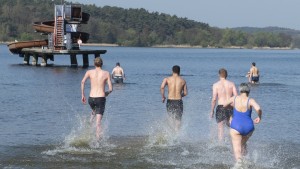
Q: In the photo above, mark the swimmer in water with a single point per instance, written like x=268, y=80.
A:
x=177, y=89
x=221, y=92
x=254, y=74
x=241, y=123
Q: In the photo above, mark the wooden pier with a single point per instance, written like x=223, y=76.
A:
x=46, y=54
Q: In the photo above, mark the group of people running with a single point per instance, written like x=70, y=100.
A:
x=233, y=109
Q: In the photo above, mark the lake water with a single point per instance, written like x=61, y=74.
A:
x=43, y=123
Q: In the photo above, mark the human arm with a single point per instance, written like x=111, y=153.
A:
x=213, y=100
x=123, y=74
x=110, y=87
x=229, y=101
x=185, y=91
x=162, y=89
x=83, y=100
x=234, y=91
x=258, y=110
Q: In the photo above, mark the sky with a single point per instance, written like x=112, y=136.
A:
x=219, y=13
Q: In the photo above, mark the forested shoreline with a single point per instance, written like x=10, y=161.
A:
x=135, y=27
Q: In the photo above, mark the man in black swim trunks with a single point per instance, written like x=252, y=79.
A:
x=98, y=78
x=177, y=89
x=254, y=73
x=222, y=91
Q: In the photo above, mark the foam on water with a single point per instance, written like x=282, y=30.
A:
x=82, y=140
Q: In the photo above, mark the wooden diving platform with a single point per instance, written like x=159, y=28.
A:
x=46, y=54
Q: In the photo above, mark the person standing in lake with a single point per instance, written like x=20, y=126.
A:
x=221, y=92
x=241, y=123
x=118, y=73
x=254, y=74
x=177, y=89
x=97, y=98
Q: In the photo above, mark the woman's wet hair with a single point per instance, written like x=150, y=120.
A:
x=244, y=88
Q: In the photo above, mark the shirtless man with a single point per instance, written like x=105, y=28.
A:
x=222, y=91
x=118, y=73
x=254, y=74
x=177, y=89
x=98, y=79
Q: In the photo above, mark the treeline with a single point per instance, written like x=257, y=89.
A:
x=131, y=27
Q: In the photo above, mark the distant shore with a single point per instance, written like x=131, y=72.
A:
x=180, y=46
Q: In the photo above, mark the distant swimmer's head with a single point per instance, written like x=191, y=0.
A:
x=253, y=64
x=223, y=73
x=244, y=88
x=98, y=62
x=176, y=69
x=117, y=64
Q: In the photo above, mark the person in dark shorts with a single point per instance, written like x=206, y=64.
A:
x=254, y=74
x=175, y=108
x=222, y=90
x=177, y=89
x=98, y=80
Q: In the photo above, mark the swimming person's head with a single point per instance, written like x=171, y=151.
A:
x=223, y=73
x=176, y=69
x=98, y=62
x=244, y=88
x=117, y=64
x=253, y=64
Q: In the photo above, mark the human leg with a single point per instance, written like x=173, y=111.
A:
x=221, y=131
x=244, y=143
x=236, y=139
x=98, y=126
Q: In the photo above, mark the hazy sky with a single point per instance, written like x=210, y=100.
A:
x=220, y=13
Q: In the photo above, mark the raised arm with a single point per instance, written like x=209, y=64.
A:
x=162, y=89
x=258, y=110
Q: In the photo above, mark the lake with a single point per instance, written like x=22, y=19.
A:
x=44, y=124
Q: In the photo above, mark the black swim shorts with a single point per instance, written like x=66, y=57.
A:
x=255, y=78
x=223, y=113
x=175, y=108
x=97, y=104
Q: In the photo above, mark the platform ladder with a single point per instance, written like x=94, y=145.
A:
x=59, y=34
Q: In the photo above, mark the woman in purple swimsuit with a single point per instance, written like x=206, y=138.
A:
x=241, y=123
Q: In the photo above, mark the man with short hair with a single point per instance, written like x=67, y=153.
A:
x=118, y=73
x=222, y=91
x=177, y=89
x=97, y=98
x=254, y=74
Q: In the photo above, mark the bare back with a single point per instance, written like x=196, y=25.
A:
x=98, y=79
x=176, y=85
x=223, y=90
x=254, y=71
x=117, y=71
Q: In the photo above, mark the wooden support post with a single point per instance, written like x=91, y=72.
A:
x=97, y=55
x=73, y=60
x=35, y=59
x=26, y=59
x=51, y=57
x=85, y=59
x=44, y=60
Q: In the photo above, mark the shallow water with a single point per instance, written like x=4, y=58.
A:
x=44, y=125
